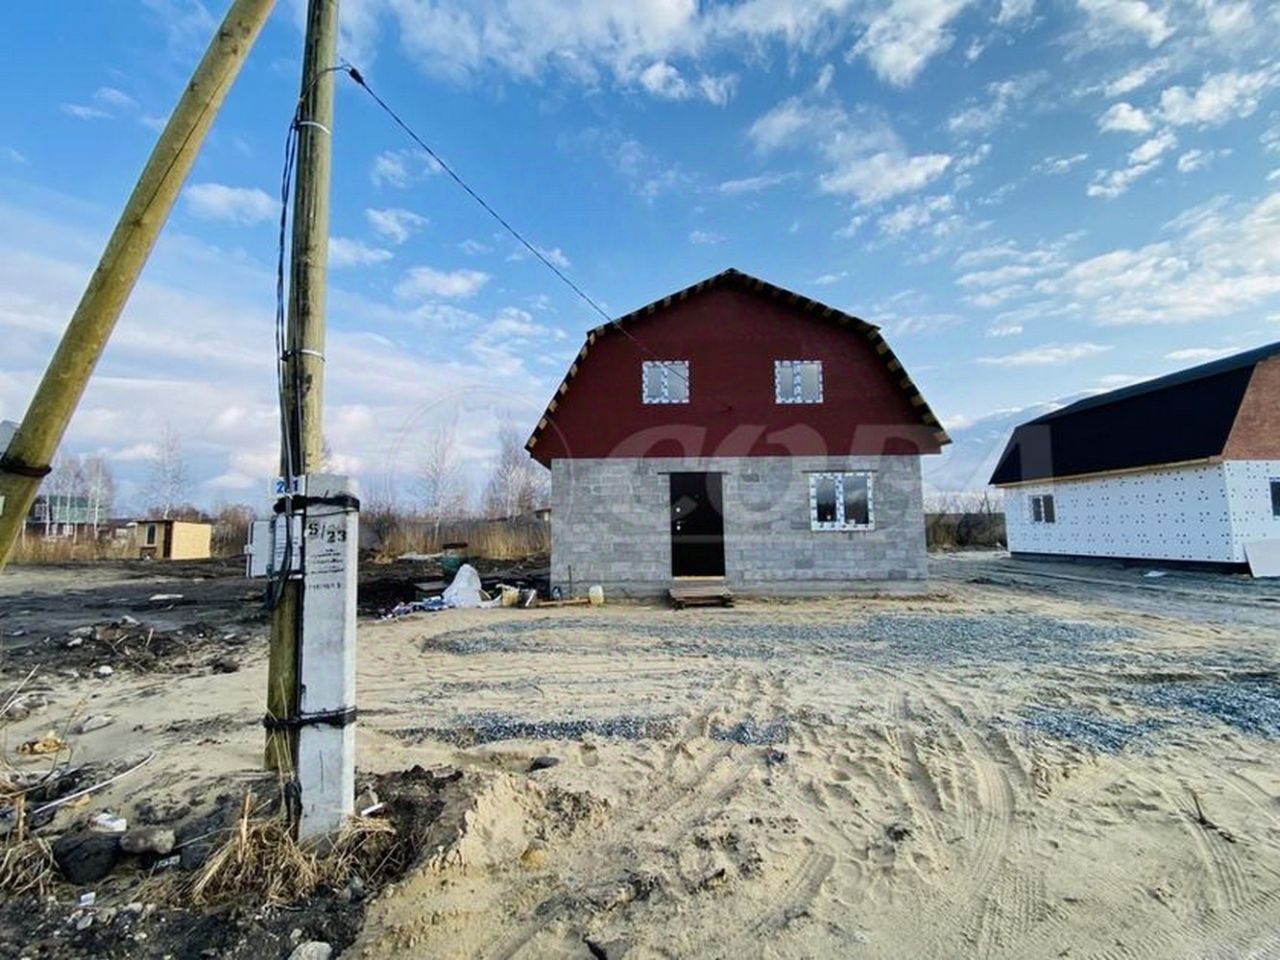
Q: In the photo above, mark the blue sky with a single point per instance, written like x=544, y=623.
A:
x=1031, y=198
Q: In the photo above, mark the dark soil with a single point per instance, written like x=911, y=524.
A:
x=130, y=919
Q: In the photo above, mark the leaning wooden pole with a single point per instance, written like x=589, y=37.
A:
x=26, y=461
x=302, y=402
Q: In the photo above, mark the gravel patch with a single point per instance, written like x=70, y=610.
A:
x=750, y=733
x=1250, y=704
x=479, y=728
x=1100, y=731
x=942, y=638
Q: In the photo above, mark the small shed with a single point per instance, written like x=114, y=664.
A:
x=1185, y=467
x=173, y=539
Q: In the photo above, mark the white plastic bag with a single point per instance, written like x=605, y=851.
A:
x=464, y=592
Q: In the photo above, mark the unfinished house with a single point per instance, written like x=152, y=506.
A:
x=739, y=434
x=1182, y=468
x=173, y=539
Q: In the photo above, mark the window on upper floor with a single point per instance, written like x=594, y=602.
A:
x=1042, y=509
x=665, y=381
x=840, y=501
x=1275, y=498
x=797, y=381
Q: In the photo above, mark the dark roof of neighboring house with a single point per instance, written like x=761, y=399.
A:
x=733, y=277
x=1181, y=417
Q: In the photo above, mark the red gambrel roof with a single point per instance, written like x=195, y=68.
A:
x=746, y=281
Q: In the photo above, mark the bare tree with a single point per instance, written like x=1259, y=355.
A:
x=168, y=482
x=517, y=484
x=441, y=491
x=231, y=522
x=100, y=490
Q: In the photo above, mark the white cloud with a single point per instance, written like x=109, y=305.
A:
x=1112, y=183
x=752, y=184
x=1223, y=258
x=12, y=155
x=399, y=168
x=454, y=284
x=920, y=213
x=706, y=237
x=880, y=176
x=1050, y=354
x=83, y=112
x=1142, y=160
x=666, y=82
x=473, y=247
x=1011, y=11
x=1199, y=353
x=1125, y=117
x=850, y=229
x=1004, y=330
x=903, y=35
x=112, y=97
x=864, y=157
x=1004, y=95
x=243, y=205
x=647, y=175
x=1136, y=78
x=1053, y=166
x=554, y=255
x=825, y=76
x=827, y=279
x=344, y=252
x=1157, y=146
x=1198, y=159
x=395, y=223
x=1222, y=97
x=1106, y=17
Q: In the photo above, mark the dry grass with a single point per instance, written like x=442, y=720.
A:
x=496, y=540
x=35, y=549
x=26, y=867
x=263, y=863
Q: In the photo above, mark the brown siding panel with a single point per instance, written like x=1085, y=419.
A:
x=1255, y=435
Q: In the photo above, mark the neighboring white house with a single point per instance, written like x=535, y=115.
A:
x=1182, y=468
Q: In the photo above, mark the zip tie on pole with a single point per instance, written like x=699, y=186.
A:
x=315, y=123
x=332, y=718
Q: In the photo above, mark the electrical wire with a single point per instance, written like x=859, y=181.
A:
x=358, y=77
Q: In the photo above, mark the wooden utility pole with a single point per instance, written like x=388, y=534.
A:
x=302, y=440
x=26, y=461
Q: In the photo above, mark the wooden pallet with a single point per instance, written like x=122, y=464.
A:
x=700, y=595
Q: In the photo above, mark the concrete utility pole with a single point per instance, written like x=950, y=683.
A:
x=302, y=441
x=26, y=461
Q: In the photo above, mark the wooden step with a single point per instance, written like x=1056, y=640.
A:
x=700, y=595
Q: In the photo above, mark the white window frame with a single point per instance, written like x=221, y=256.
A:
x=840, y=523
x=796, y=392
x=668, y=368
x=1039, y=500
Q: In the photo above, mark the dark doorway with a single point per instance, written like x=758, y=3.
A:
x=697, y=525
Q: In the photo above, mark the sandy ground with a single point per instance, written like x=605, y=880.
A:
x=999, y=770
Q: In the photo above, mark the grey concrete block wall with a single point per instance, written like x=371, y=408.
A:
x=610, y=524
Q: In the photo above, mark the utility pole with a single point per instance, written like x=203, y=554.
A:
x=26, y=460
x=302, y=440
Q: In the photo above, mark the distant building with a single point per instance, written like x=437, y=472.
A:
x=1185, y=467
x=741, y=433
x=173, y=539
x=57, y=517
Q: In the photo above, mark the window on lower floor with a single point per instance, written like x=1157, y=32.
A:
x=151, y=534
x=665, y=381
x=840, y=501
x=1275, y=498
x=1042, y=509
